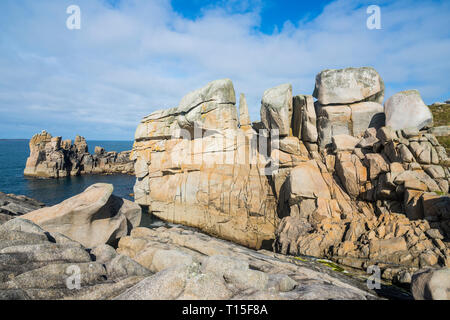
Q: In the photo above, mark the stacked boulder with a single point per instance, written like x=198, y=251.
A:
x=52, y=157
x=330, y=179
x=348, y=102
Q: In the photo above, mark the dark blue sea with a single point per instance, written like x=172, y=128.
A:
x=14, y=154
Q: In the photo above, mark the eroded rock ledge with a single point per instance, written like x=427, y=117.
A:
x=52, y=157
x=334, y=180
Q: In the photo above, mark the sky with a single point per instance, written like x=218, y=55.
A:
x=133, y=57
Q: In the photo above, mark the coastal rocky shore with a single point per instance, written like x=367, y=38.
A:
x=273, y=209
x=166, y=262
x=52, y=157
x=349, y=179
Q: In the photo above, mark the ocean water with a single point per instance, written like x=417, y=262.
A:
x=14, y=154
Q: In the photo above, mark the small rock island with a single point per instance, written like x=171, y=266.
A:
x=52, y=157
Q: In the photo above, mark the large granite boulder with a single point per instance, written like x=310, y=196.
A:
x=92, y=218
x=406, y=109
x=348, y=85
x=210, y=107
x=276, y=109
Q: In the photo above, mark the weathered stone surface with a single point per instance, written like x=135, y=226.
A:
x=276, y=109
x=344, y=142
x=306, y=182
x=406, y=109
x=210, y=107
x=215, y=181
x=12, y=206
x=304, y=119
x=40, y=265
x=348, y=85
x=52, y=158
x=351, y=173
x=366, y=115
x=93, y=217
x=244, y=117
x=222, y=270
x=333, y=120
x=431, y=284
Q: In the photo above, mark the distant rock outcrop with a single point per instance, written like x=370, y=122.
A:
x=52, y=157
x=324, y=179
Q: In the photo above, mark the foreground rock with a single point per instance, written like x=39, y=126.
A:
x=52, y=157
x=12, y=206
x=190, y=265
x=431, y=284
x=92, y=218
x=40, y=265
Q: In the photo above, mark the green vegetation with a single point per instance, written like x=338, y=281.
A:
x=441, y=117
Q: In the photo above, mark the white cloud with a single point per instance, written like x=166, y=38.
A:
x=128, y=61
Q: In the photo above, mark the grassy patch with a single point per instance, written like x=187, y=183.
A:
x=441, y=117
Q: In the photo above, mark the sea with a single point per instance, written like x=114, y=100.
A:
x=14, y=154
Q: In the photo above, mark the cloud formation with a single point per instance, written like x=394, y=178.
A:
x=138, y=56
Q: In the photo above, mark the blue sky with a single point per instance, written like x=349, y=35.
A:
x=133, y=57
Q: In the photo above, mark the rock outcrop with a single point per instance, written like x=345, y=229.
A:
x=39, y=265
x=93, y=218
x=52, y=157
x=194, y=266
x=349, y=102
x=194, y=166
x=159, y=263
x=325, y=179
x=12, y=206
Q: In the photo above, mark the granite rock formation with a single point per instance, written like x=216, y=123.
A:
x=191, y=265
x=52, y=157
x=193, y=167
x=12, y=206
x=36, y=264
x=160, y=263
x=330, y=181
x=93, y=217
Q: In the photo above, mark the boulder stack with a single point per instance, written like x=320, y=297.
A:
x=348, y=102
